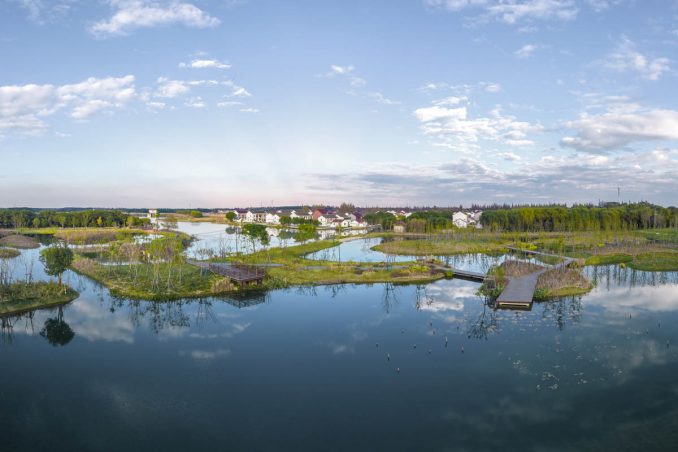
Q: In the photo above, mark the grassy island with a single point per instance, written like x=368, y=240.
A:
x=158, y=282
x=19, y=241
x=655, y=250
x=19, y=297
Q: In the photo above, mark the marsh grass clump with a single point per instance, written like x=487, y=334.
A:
x=19, y=241
x=8, y=253
x=560, y=282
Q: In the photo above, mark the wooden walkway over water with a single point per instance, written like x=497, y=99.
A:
x=243, y=275
x=519, y=292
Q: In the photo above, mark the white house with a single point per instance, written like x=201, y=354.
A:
x=152, y=213
x=272, y=218
x=460, y=219
x=248, y=217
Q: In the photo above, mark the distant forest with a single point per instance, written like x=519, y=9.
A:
x=31, y=218
x=581, y=218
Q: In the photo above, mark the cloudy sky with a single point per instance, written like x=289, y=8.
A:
x=409, y=102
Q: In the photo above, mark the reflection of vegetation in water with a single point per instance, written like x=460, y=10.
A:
x=614, y=275
x=390, y=297
x=485, y=324
x=57, y=331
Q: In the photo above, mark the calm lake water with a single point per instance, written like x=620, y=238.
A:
x=219, y=239
x=336, y=368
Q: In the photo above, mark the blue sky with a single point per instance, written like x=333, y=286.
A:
x=408, y=102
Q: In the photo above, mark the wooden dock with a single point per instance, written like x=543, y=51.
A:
x=519, y=292
x=468, y=275
x=241, y=274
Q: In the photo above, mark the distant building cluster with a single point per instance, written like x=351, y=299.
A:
x=467, y=219
x=326, y=218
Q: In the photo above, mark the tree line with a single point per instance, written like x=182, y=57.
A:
x=27, y=218
x=580, y=218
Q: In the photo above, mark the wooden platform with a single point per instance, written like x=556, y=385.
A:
x=471, y=276
x=518, y=292
x=243, y=275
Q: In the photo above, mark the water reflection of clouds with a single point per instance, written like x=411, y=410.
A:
x=448, y=297
x=95, y=323
x=228, y=332
x=205, y=355
x=623, y=300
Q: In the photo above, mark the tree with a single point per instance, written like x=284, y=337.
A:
x=231, y=216
x=256, y=233
x=285, y=220
x=56, y=260
x=306, y=232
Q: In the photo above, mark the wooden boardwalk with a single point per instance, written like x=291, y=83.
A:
x=243, y=275
x=519, y=292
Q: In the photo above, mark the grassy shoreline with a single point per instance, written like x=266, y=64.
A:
x=20, y=297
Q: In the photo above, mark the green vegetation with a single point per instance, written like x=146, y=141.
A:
x=8, y=253
x=56, y=259
x=19, y=241
x=257, y=234
x=656, y=262
x=22, y=296
x=93, y=236
x=154, y=281
x=231, y=216
x=608, y=259
x=616, y=217
x=593, y=247
x=348, y=273
x=27, y=218
x=384, y=219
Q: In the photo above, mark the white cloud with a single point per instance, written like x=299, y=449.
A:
x=626, y=58
x=229, y=103
x=493, y=87
x=382, y=99
x=171, y=88
x=239, y=91
x=41, y=12
x=452, y=127
x=512, y=11
x=23, y=107
x=205, y=64
x=525, y=51
x=195, y=102
x=618, y=128
x=571, y=178
x=130, y=15
x=435, y=113
x=249, y=110
x=508, y=156
x=336, y=69
x=455, y=5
